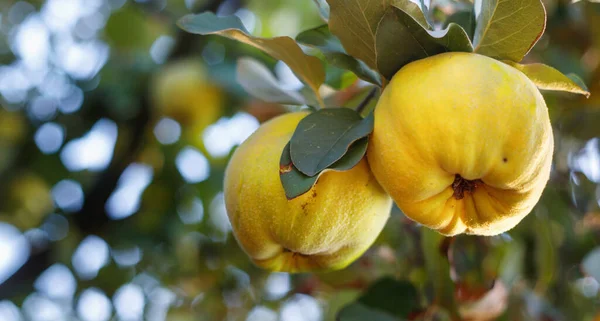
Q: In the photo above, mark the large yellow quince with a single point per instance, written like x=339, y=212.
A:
x=462, y=143
x=325, y=229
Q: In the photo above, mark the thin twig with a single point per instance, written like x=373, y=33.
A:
x=366, y=101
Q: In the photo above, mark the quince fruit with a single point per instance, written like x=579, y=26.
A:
x=462, y=143
x=181, y=90
x=326, y=228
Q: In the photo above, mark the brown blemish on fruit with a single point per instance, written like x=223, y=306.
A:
x=462, y=186
x=285, y=168
x=304, y=210
x=505, y=159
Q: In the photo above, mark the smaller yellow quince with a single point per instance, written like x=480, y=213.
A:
x=325, y=229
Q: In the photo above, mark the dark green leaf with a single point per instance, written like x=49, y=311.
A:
x=548, y=78
x=323, y=137
x=355, y=22
x=323, y=8
x=465, y=19
x=508, y=29
x=417, y=43
x=259, y=82
x=398, y=298
x=309, y=69
x=591, y=264
x=335, y=54
x=361, y=312
x=295, y=183
x=354, y=154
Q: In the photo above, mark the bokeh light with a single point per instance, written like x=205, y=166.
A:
x=14, y=250
x=90, y=256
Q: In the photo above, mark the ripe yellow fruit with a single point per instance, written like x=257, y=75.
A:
x=181, y=90
x=325, y=229
x=462, y=143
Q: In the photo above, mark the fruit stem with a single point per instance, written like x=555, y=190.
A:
x=366, y=101
x=461, y=185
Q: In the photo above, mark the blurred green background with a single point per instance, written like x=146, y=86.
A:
x=115, y=129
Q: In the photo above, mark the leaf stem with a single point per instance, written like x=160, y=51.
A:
x=366, y=101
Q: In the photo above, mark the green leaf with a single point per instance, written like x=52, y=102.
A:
x=577, y=80
x=508, y=29
x=398, y=298
x=335, y=54
x=417, y=42
x=413, y=10
x=465, y=19
x=355, y=153
x=295, y=183
x=548, y=78
x=591, y=264
x=355, y=23
x=361, y=312
x=259, y=82
x=323, y=137
x=323, y=8
x=309, y=69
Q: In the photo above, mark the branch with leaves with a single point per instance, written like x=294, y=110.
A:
x=374, y=41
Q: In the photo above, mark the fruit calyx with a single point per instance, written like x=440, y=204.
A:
x=285, y=250
x=461, y=185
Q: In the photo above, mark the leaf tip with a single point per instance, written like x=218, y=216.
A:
x=181, y=22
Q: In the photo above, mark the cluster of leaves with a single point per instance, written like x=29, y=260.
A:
x=373, y=41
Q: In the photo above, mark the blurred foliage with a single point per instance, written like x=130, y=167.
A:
x=118, y=204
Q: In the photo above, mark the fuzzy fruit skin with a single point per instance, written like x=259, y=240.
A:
x=465, y=114
x=325, y=229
